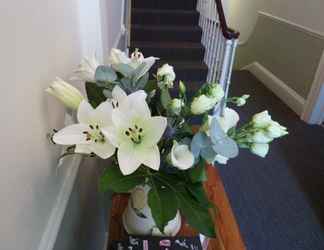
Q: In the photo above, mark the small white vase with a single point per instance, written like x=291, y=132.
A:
x=138, y=220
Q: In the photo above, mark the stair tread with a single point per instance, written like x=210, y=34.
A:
x=167, y=27
x=166, y=11
x=167, y=45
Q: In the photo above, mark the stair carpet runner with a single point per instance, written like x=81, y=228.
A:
x=169, y=29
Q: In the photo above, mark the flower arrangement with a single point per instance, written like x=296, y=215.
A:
x=134, y=120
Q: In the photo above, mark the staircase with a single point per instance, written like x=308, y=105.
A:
x=169, y=29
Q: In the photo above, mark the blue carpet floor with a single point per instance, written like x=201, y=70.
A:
x=278, y=201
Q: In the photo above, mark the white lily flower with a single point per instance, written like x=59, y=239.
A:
x=260, y=149
x=118, y=96
x=181, y=156
x=117, y=57
x=262, y=120
x=166, y=76
x=136, y=133
x=87, y=69
x=66, y=93
x=87, y=134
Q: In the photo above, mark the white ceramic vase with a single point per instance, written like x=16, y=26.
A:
x=138, y=220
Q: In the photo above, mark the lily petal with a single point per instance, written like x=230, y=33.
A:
x=102, y=114
x=128, y=163
x=84, y=112
x=154, y=130
x=103, y=150
x=83, y=149
x=71, y=135
x=150, y=157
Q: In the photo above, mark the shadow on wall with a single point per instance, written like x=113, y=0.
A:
x=84, y=225
x=290, y=52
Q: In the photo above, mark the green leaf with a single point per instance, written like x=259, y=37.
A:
x=114, y=180
x=163, y=203
x=95, y=94
x=105, y=74
x=198, y=173
x=197, y=216
x=165, y=98
x=198, y=192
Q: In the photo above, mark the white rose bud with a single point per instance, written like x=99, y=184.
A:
x=275, y=130
x=260, y=149
x=176, y=106
x=241, y=101
x=216, y=92
x=66, y=93
x=166, y=76
x=202, y=104
x=262, y=120
x=229, y=120
x=260, y=137
x=181, y=156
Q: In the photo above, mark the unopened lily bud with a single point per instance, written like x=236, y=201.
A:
x=66, y=93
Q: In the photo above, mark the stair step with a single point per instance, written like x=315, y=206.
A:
x=166, y=33
x=171, y=50
x=165, y=17
x=190, y=71
x=165, y=4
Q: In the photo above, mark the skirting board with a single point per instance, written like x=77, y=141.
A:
x=58, y=211
x=278, y=87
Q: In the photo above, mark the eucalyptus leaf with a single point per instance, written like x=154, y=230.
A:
x=199, y=141
x=209, y=154
x=105, y=74
x=226, y=147
x=216, y=131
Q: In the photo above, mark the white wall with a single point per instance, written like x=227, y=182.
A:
x=244, y=14
x=39, y=41
x=305, y=13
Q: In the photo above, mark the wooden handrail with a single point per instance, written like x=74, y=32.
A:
x=228, y=33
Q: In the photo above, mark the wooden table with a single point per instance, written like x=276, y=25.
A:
x=228, y=238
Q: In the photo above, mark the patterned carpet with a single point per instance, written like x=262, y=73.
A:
x=279, y=201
